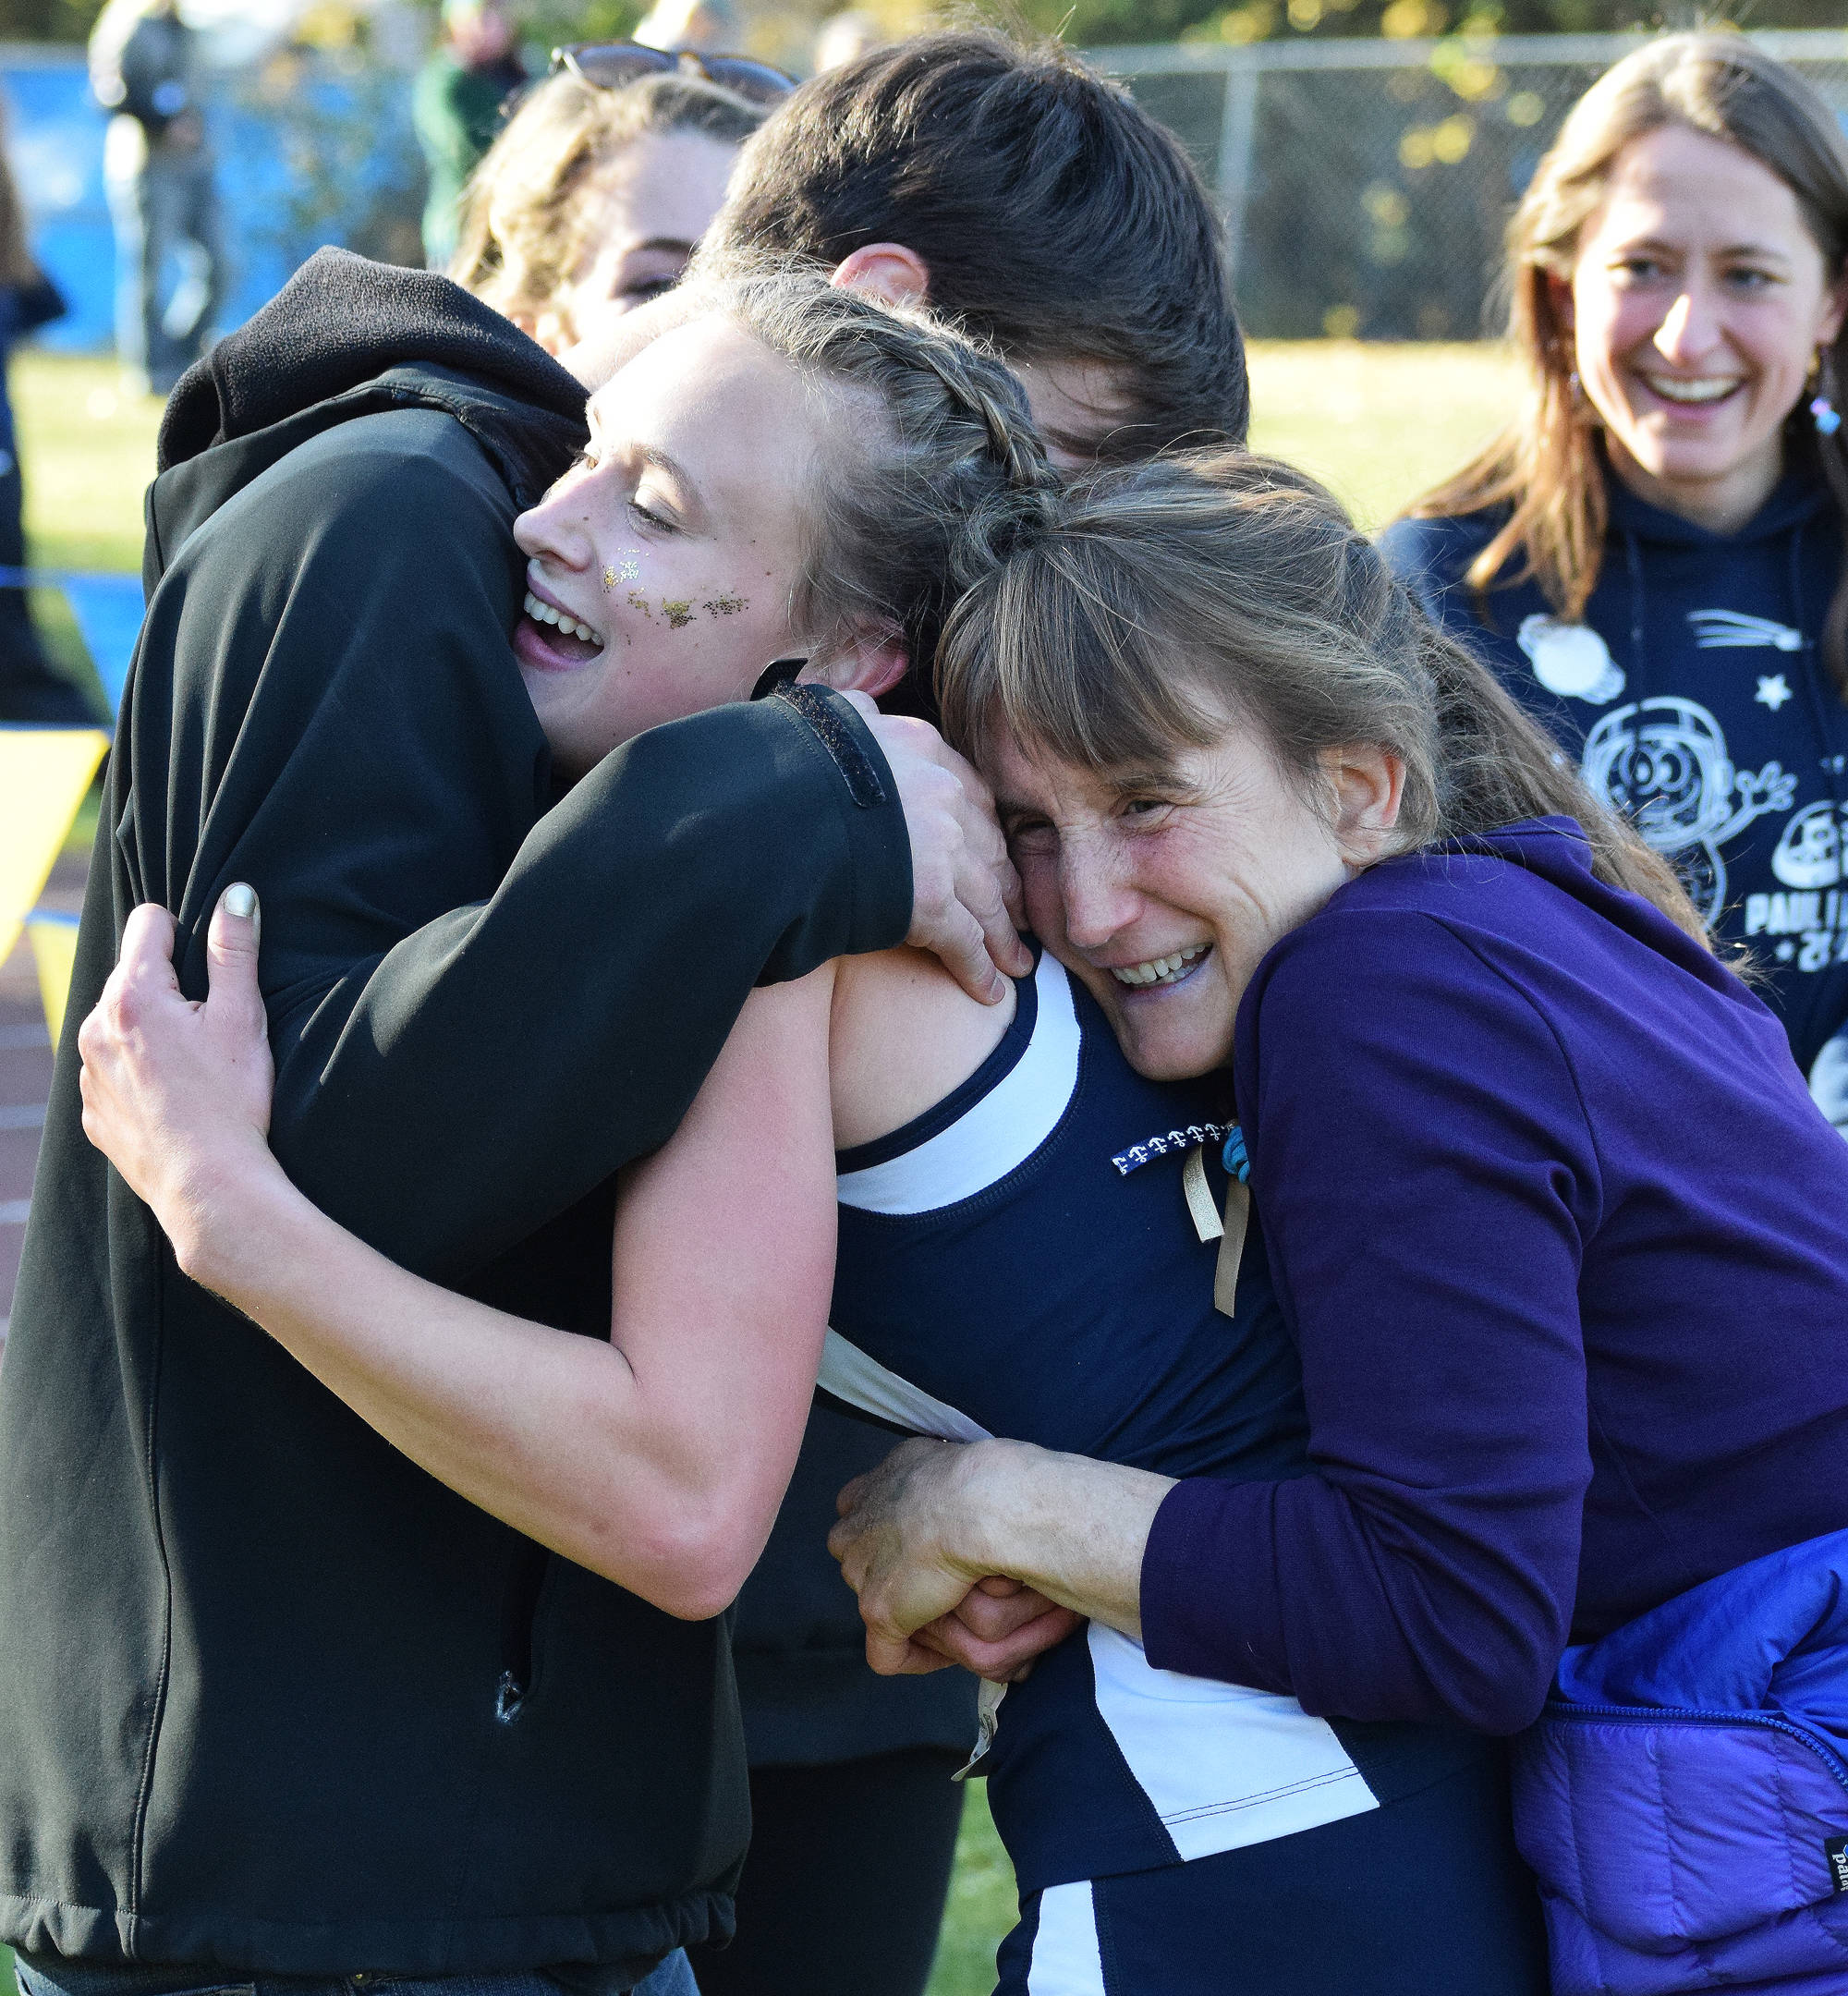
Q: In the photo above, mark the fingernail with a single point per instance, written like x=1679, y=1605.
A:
x=240, y=901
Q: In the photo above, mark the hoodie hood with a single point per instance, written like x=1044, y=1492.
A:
x=344, y=338
x=342, y=321
x=1557, y=851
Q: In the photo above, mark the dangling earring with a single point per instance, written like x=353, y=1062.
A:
x=1827, y=418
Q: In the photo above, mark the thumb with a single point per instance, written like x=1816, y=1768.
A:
x=231, y=961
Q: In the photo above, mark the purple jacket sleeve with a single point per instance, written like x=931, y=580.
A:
x=1426, y=1176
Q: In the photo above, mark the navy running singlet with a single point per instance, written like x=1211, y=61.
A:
x=1021, y=1260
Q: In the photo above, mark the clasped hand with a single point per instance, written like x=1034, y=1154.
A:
x=908, y=1542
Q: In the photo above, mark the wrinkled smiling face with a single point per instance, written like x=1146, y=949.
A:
x=1163, y=895
x=1696, y=302
x=663, y=567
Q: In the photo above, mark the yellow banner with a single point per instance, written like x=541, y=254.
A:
x=54, y=941
x=44, y=775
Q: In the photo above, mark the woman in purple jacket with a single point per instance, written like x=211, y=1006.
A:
x=1562, y=1239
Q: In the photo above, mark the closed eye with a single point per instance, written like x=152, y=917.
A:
x=1147, y=809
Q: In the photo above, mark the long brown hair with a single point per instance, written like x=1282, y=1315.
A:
x=1545, y=464
x=1148, y=607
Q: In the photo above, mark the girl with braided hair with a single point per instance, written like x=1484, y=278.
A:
x=769, y=499
x=1022, y=1230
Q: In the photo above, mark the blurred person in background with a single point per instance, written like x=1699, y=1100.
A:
x=161, y=178
x=30, y=689
x=457, y=109
x=846, y=37
x=703, y=26
x=595, y=197
x=1652, y=557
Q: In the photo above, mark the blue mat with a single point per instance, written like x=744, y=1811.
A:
x=107, y=611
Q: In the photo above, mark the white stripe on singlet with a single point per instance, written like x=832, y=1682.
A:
x=999, y=1132
x=1224, y=1766
x=860, y=1382
x=1066, y=1958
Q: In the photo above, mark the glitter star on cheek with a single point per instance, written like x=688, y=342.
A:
x=1773, y=691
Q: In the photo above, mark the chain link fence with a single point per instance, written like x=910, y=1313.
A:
x=1367, y=184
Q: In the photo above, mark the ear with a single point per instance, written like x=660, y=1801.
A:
x=1366, y=785
x=871, y=665
x=887, y=271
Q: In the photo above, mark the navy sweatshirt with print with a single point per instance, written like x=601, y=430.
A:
x=1696, y=698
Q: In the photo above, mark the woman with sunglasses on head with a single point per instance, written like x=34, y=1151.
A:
x=1653, y=555
x=594, y=197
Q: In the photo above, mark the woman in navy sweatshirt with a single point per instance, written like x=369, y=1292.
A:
x=1651, y=556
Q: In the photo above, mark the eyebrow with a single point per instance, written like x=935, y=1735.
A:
x=1762, y=251
x=678, y=245
x=672, y=466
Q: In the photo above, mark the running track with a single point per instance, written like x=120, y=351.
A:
x=25, y=1082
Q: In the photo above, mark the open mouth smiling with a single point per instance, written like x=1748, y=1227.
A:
x=554, y=632
x=1691, y=391
x=1157, y=970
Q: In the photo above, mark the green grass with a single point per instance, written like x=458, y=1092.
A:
x=1379, y=424
x=981, y=1908
x=87, y=450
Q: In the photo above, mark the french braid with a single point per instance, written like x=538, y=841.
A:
x=888, y=545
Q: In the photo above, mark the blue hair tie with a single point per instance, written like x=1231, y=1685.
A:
x=1233, y=1156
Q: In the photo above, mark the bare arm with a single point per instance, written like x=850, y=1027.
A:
x=657, y=1460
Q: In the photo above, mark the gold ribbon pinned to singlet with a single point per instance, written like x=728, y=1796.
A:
x=1227, y=1228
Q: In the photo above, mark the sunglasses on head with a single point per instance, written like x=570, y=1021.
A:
x=612, y=65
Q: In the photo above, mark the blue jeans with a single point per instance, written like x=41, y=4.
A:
x=48, y=1977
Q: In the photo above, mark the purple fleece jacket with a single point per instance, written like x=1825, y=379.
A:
x=1564, y=1244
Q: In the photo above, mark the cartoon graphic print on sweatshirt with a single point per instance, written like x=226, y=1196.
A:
x=1696, y=697
x=1663, y=764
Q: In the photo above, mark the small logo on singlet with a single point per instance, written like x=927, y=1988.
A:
x=1835, y=1854
x=1160, y=1145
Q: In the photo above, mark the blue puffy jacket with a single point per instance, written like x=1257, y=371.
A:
x=1683, y=1798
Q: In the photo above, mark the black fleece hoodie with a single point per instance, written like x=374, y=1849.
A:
x=271, y=1697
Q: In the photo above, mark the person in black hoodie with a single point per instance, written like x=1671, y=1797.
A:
x=1653, y=557
x=273, y=1702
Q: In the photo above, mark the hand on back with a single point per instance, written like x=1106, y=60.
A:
x=177, y=1093
x=966, y=894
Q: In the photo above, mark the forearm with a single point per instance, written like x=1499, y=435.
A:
x=550, y=1432
x=1070, y=1526
x=501, y=1062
